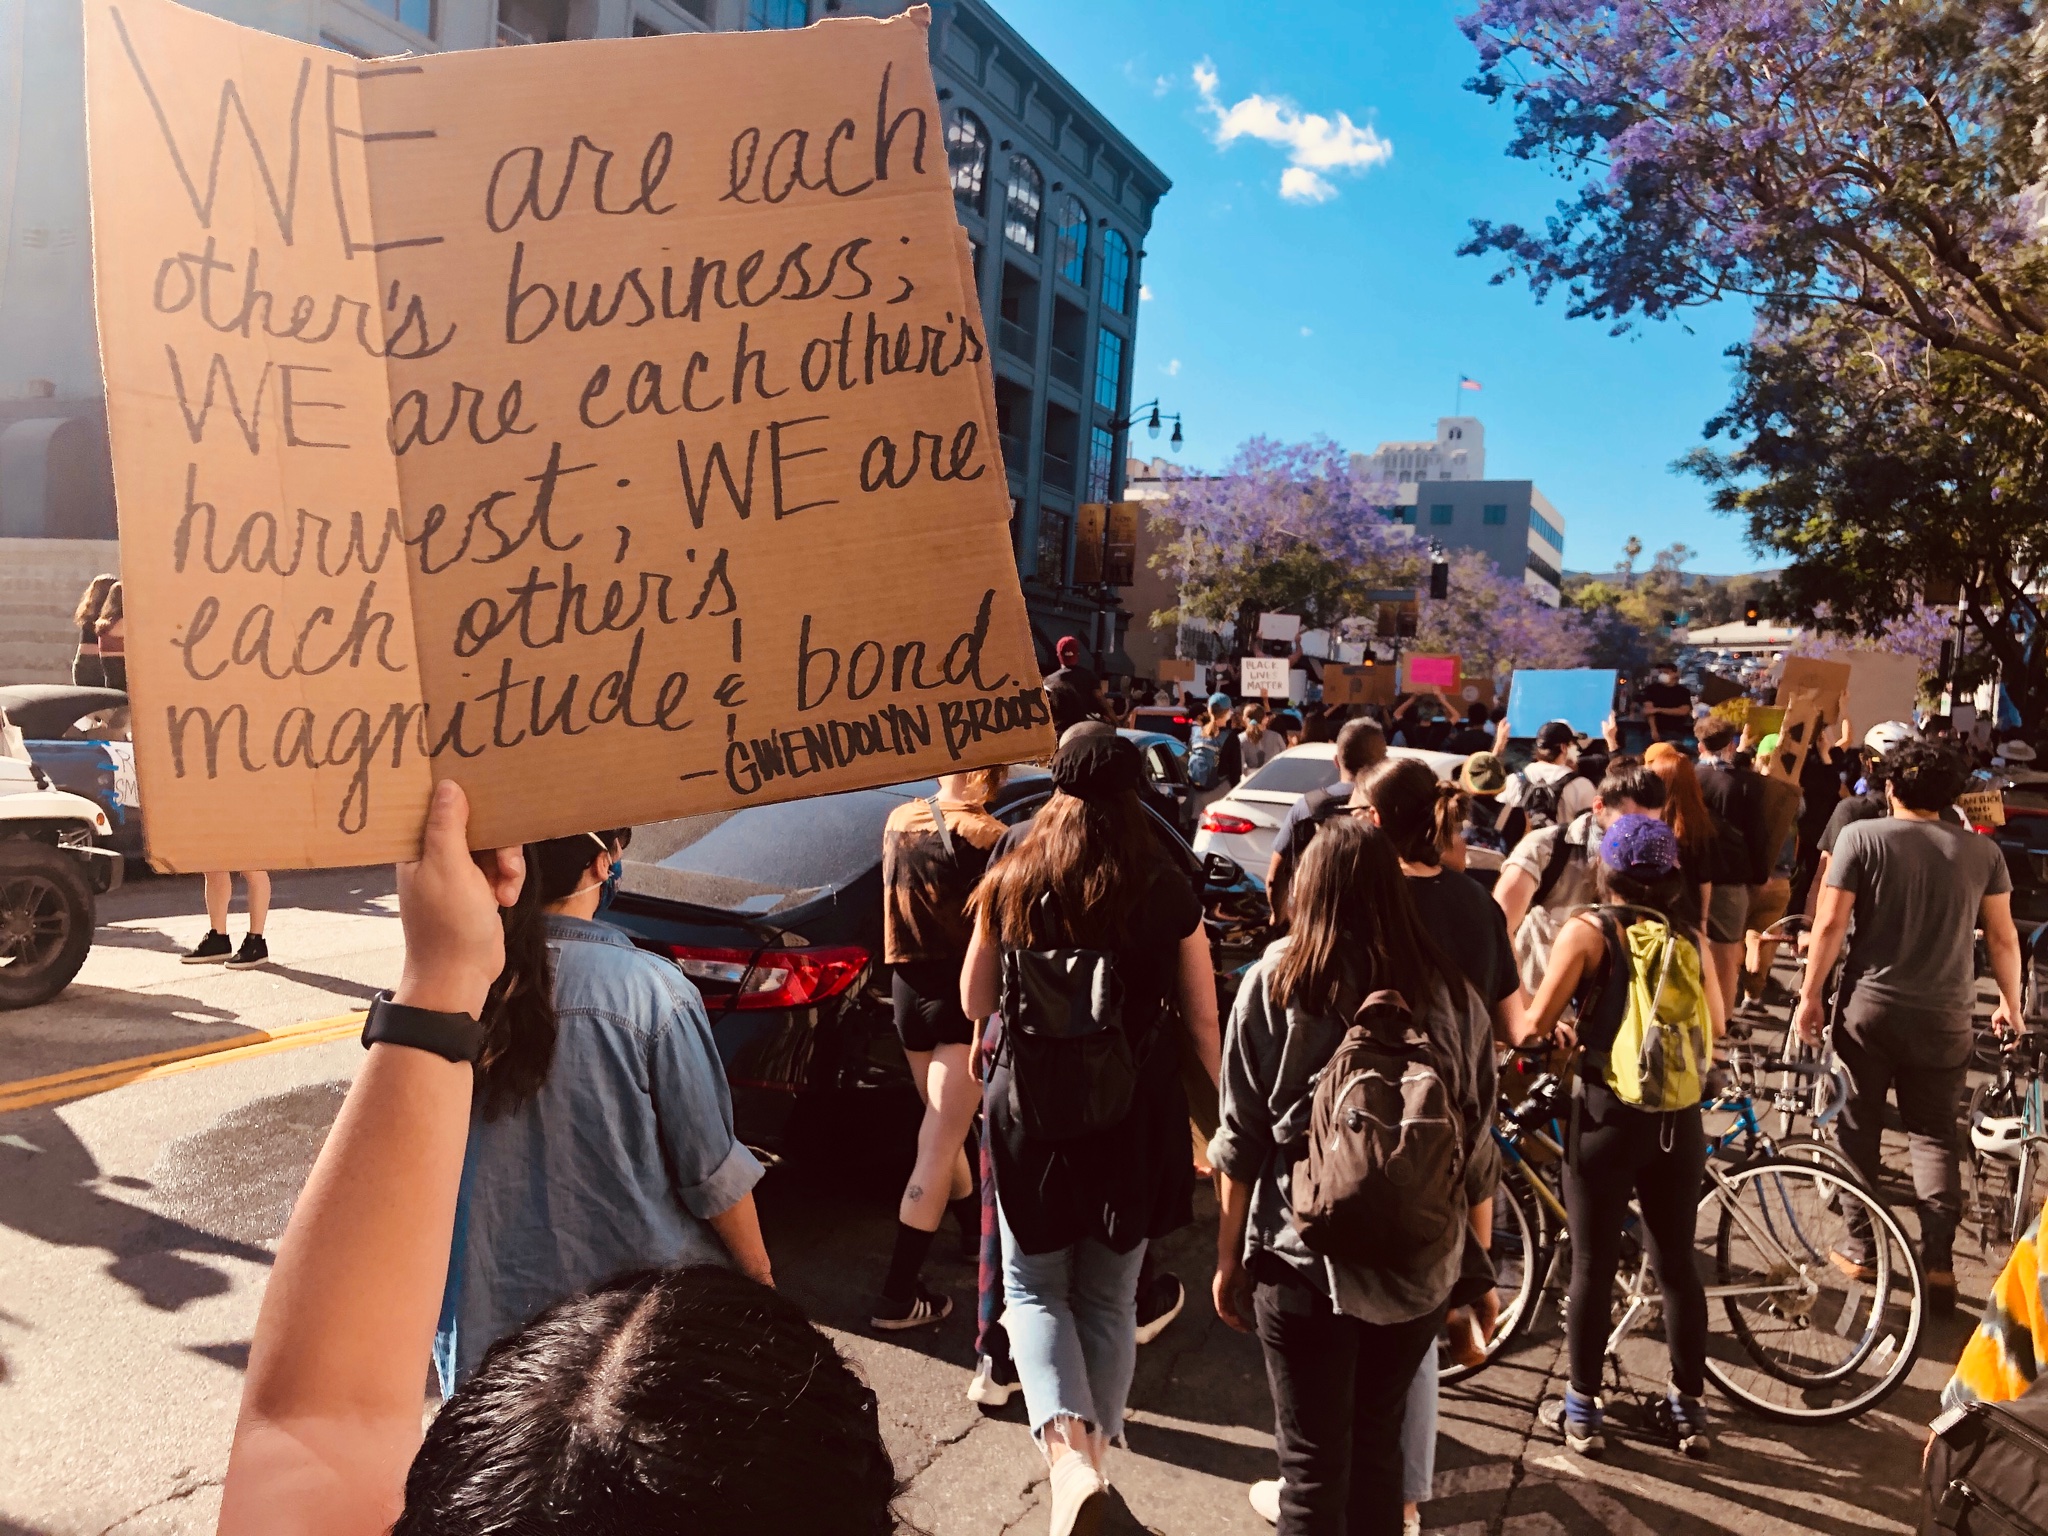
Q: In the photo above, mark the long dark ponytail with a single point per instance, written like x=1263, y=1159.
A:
x=1416, y=810
x=519, y=1012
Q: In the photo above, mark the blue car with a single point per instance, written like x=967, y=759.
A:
x=79, y=738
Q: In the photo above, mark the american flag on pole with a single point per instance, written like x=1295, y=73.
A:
x=1465, y=383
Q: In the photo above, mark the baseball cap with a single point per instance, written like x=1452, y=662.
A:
x=1093, y=766
x=1640, y=847
x=1221, y=701
x=1555, y=733
x=1067, y=650
x=1483, y=774
x=1768, y=745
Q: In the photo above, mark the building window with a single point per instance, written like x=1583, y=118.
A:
x=1546, y=530
x=1439, y=517
x=967, y=156
x=1494, y=517
x=1109, y=367
x=1101, y=456
x=1071, y=250
x=1116, y=272
x=774, y=15
x=417, y=14
x=1456, y=434
x=1408, y=516
x=1052, y=547
x=1546, y=570
x=1023, y=204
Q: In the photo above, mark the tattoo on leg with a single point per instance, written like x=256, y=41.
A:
x=915, y=1192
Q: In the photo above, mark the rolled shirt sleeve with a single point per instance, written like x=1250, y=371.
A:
x=711, y=1171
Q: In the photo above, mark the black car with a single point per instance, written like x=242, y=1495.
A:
x=775, y=911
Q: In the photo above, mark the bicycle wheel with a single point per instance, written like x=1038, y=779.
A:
x=1807, y=1340
x=1824, y=1154
x=1521, y=1249
x=2020, y=1208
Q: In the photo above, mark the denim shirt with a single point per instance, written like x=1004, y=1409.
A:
x=1272, y=1057
x=618, y=1163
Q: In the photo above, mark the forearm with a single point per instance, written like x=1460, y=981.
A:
x=1234, y=1209
x=1198, y=1003
x=739, y=1228
x=1821, y=958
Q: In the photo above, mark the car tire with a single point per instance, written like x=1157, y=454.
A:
x=46, y=921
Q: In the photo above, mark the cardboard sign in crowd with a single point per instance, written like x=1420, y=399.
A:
x=606, y=425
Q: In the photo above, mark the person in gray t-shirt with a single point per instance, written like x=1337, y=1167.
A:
x=1919, y=888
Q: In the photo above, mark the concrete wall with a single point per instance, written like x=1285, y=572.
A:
x=40, y=582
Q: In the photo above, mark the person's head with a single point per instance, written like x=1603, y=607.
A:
x=668, y=1402
x=1483, y=774
x=1628, y=788
x=519, y=1011
x=1716, y=735
x=977, y=786
x=1922, y=776
x=1255, y=721
x=1556, y=742
x=1767, y=745
x=1090, y=848
x=1639, y=865
x=112, y=606
x=93, y=599
x=1067, y=651
x=1476, y=716
x=1886, y=737
x=1417, y=810
x=1353, y=922
x=1361, y=745
x=1667, y=672
x=1684, y=810
x=1222, y=709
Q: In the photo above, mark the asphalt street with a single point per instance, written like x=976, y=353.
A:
x=141, y=1195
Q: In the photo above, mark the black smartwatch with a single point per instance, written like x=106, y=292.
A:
x=456, y=1036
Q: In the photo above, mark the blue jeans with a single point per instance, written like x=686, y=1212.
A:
x=1073, y=1323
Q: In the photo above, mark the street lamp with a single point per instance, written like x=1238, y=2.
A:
x=1152, y=422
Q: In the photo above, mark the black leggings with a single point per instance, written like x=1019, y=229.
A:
x=1618, y=1151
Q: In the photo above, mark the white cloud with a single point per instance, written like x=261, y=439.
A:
x=1172, y=369
x=1306, y=331
x=1161, y=84
x=1144, y=293
x=1315, y=144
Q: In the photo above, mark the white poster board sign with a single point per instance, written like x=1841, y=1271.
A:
x=1263, y=675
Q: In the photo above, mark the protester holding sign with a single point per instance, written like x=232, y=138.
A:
x=552, y=1435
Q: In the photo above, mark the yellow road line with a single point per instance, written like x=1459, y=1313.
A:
x=82, y=1082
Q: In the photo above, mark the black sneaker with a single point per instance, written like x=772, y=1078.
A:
x=918, y=1310
x=1686, y=1420
x=1159, y=1304
x=210, y=950
x=253, y=952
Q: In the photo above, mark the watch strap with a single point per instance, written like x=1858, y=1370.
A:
x=455, y=1036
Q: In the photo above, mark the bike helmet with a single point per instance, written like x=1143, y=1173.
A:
x=1883, y=740
x=1996, y=1128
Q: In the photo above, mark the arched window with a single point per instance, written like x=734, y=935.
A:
x=967, y=156
x=1071, y=249
x=1023, y=204
x=1116, y=271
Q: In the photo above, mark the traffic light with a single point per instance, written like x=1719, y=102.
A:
x=1751, y=613
x=1439, y=579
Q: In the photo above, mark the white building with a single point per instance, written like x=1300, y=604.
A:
x=1458, y=453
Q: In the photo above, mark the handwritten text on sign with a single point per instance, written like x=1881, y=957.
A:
x=608, y=425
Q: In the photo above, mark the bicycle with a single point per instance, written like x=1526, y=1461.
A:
x=2009, y=1137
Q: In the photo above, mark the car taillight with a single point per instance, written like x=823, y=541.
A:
x=770, y=978
x=1221, y=821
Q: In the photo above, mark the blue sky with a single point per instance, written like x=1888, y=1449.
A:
x=1342, y=309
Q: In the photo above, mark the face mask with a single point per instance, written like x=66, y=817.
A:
x=610, y=887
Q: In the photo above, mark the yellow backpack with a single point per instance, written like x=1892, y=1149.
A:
x=1646, y=1030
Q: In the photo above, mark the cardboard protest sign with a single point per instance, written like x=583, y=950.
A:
x=1882, y=686
x=1807, y=712
x=1279, y=626
x=608, y=425
x=1174, y=670
x=1421, y=674
x=1262, y=675
x=1476, y=690
x=1984, y=807
x=1716, y=689
x=1829, y=679
x=1120, y=545
x=1358, y=685
x=1091, y=523
x=1582, y=697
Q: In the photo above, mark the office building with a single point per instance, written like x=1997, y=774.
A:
x=1510, y=521
x=1458, y=452
x=1056, y=201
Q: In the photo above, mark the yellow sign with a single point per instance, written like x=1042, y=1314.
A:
x=1120, y=551
x=1088, y=532
x=606, y=425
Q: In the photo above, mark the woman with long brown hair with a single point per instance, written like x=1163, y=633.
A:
x=87, y=671
x=1344, y=1343
x=111, y=627
x=1079, y=1192
x=602, y=1138
x=1686, y=813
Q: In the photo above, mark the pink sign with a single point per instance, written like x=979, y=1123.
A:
x=1431, y=672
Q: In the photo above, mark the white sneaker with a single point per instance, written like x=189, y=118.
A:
x=1411, y=1525
x=988, y=1388
x=1265, y=1499
x=1080, y=1498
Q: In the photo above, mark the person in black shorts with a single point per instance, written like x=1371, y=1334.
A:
x=933, y=854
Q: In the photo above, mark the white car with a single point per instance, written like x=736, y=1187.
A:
x=1243, y=823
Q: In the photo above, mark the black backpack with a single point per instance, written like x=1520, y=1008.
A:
x=1073, y=1066
x=1541, y=804
x=1987, y=1470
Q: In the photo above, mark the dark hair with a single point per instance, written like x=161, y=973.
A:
x=1924, y=776
x=1360, y=744
x=519, y=1011
x=1095, y=858
x=1476, y=715
x=1714, y=734
x=93, y=599
x=1662, y=896
x=1417, y=810
x=1354, y=920
x=1628, y=779
x=683, y=1402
